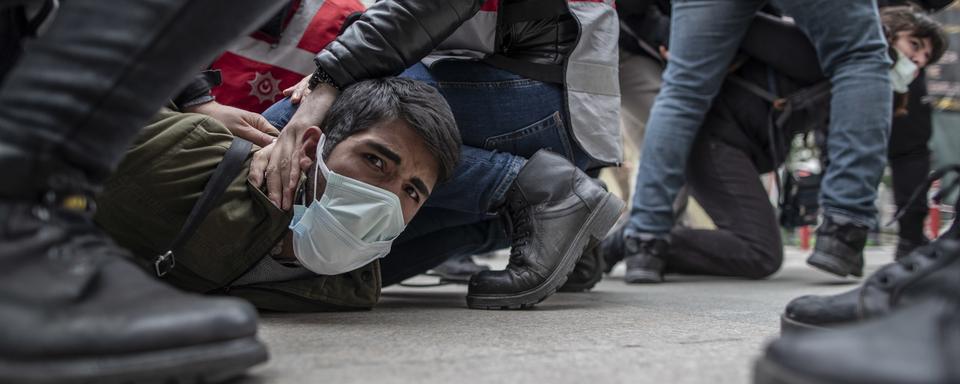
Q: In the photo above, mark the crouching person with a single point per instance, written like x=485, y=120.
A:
x=369, y=167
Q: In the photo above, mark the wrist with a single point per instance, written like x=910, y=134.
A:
x=313, y=107
x=199, y=107
x=321, y=77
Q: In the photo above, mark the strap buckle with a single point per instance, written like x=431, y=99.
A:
x=164, y=263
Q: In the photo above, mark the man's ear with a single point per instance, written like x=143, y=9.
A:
x=308, y=150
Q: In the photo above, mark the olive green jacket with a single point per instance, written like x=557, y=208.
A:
x=147, y=200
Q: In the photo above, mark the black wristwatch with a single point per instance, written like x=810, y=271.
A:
x=321, y=76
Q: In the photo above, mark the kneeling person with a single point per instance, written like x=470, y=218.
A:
x=369, y=167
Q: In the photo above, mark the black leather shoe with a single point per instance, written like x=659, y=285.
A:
x=905, y=247
x=917, y=344
x=930, y=271
x=645, y=258
x=74, y=310
x=587, y=272
x=839, y=248
x=612, y=249
x=555, y=212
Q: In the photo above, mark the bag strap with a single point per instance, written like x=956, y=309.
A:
x=547, y=73
x=223, y=175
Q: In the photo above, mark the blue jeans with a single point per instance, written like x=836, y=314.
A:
x=503, y=119
x=704, y=38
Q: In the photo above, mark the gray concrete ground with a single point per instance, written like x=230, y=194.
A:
x=688, y=330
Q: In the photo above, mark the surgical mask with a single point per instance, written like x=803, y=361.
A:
x=903, y=73
x=352, y=224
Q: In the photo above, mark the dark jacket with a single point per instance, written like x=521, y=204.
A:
x=571, y=43
x=392, y=35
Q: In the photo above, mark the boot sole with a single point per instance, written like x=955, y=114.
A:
x=209, y=363
x=766, y=371
x=642, y=277
x=589, y=284
x=834, y=265
x=593, y=231
x=791, y=326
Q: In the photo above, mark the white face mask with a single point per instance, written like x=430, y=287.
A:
x=352, y=224
x=903, y=73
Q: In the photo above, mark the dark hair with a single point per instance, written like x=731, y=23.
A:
x=368, y=102
x=907, y=19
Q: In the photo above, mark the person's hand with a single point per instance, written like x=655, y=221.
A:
x=664, y=53
x=278, y=164
x=298, y=91
x=243, y=124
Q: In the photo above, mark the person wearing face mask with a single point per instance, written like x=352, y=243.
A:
x=761, y=107
x=916, y=42
x=368, y=168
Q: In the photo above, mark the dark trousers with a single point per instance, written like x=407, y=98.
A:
x=79, y=94
x=747, y=240
x=909, y=158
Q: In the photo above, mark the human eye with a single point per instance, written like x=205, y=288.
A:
x=375, y=161
x=412, y=192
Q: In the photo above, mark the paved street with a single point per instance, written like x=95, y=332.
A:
x=689, y=330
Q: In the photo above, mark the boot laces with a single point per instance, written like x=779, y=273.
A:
x=520, y=231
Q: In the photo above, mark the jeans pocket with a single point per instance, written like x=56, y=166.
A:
x=548, y=133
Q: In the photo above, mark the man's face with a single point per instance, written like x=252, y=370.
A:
x=916, y=49
x=389, y=155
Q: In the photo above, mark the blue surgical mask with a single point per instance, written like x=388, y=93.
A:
x=903, y=73
x=350, y=225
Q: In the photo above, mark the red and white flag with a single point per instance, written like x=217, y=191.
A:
x=256, y=68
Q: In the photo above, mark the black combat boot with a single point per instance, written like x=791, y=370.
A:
x=555, y=212
x=839, y=248
x=587, y=272
x=919, y=343
x=930, y=271
x=645, y=257
x=906, y=246
x=612, y=249
x=73, y=309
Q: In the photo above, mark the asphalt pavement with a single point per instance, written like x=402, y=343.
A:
x=691, y=329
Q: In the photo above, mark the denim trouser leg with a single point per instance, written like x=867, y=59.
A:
x=415, y=253
x=704, y=37
x=853, y=52
x=82, y=91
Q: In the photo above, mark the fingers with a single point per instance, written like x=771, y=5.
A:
x=262, y=125
x=293, y=179
x=259, y=138
x=299, y=94
x=259, y=165
x=298, y=91
x=274, y=180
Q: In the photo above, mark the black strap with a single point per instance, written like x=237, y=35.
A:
x=223, y=175
x=548, y=73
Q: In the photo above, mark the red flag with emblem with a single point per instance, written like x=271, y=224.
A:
x=255, y=69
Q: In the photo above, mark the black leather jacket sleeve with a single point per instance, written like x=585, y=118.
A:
x=391, y=36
